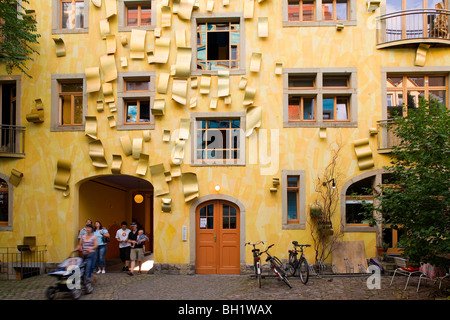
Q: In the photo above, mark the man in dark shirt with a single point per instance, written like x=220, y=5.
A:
x=137, y=251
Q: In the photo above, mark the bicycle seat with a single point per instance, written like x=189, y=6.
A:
x=295, y=243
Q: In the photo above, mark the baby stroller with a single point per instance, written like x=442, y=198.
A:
x=71, y=278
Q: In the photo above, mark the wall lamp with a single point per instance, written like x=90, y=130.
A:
x=333, y=183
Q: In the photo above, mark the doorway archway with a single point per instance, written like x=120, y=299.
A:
x=110, y=199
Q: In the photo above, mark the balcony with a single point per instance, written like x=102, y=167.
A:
x=411, y=27
x=386, y=137
x=12, y=141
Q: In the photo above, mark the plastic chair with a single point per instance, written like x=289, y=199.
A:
x=403, y=269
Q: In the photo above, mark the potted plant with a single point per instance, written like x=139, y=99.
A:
x=382, y=248
x=315, y=210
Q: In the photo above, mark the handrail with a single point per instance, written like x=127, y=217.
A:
x=413, y=11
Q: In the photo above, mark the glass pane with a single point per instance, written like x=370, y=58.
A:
x=439, y=95
x=436, y=81
x=78, y=110
x=308, y=10
x=144, y=111
x=294, y=107
x=341, y=10
x=3, y=200
x=146, y=15
x=293, y=10
x=416, y=81
x=137, y=85
x=335, y=82
x=352, y=212
x=436, y=4
x=327, y=9
x=328, y=108
x=292, y=205
x=132, y=15
x=232, y=222
x=218, y=46
x=79, y=14
x=396, y=82
x=301, y=81
x=341, y=109
x=66, y=10
x=413, y=98
x=393, y=6
x=362, y=187
x=203, y=212
x=72, y=87
x=308, y=109
x=292, y=182
x=131, y=111
x=66, y=110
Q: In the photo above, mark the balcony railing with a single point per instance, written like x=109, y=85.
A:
x=12, y=141
x=413, y=26
x=386, y=137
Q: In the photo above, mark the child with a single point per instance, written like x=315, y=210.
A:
x=141, y=239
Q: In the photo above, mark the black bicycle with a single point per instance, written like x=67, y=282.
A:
x=277, y=266
x=296, y=264
x=256, y=261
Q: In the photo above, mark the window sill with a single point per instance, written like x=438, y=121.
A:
x=349, y=228
x=293, y=226
x=216, y=72
x=129, y=29
x=68, y=129
x=70, y=31
x=201, y=164
x=320, y=124
x=125, y=127
x=288, y=24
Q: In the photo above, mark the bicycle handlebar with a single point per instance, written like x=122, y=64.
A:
x=295, y=243
x=254, y=244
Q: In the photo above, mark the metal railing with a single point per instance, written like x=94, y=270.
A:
x=12, y=141
x=386, y=137
x=413, y=24
x=21, y=263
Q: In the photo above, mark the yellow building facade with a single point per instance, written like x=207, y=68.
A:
x=221, y=114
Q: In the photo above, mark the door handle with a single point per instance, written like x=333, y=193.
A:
x=215, y=237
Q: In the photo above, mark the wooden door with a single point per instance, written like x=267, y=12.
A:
x=217, y=238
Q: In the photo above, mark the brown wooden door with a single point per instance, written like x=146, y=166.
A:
x=217, y=238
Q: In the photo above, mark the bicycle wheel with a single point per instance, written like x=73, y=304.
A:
x=283, y=276
x=303, y=270
x=257, y=274
x=291, y=266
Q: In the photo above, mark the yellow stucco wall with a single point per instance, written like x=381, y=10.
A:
x=54, y=219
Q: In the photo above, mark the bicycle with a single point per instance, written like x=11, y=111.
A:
x=277, y=266
x=298, y=264
x=256, y=261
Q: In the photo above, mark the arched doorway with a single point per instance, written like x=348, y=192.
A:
x=217, y=245
x=112, y=199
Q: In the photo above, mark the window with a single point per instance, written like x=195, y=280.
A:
x=358, y=193
x=6, y=208
x=325, y=97
x=135, y=97
x=70, y=16
x=311, y=13
x=409, y=89
x=220, y=42
x=69, y=102
x=219, y=140
x=293, y=199
x=137, y=14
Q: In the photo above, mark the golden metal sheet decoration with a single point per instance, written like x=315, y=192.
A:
x=108, y=95
x=185, y=9
x=205, y=84
x=213, y=103
x=111, y=8
x=36, y=116
x=210, y=5
x=243, y=83
x=168, y=176
x=166, y=135
x=99, y=105
x=193, y=102
x=60, y=47
x=183, y=63
x=249, y=96
x=252, y=119
x=15, y=177
x=176, y=5
x=109, y=69
x=125, y=141
x=421, y=54
x=323, y=133
x=223, y=83
x=157, y=32
x=112, y=107
x=137, y=44
x=194, y=82
x=163, y=82
x=112, y=121
x=158, y=108
x=97, y=3
x=161, y=50
x=146, y=135
x=111, y=44
x=179, y=90
x=116, y=163
x=175, y=170
x=62, y=175
x=185, y=125
x=137, y=147
x=255, y=62
x=97, y=154
x=180, y=38
x=363, y=154
x=190, y=186
x=159, y=180
x=92, y=75
x=166, y=204
x=90, y=128
x=278, y=68
x=123, y=62
x=104, y=28
x=225, y=2
x=166, y=17
x=263, y=27
x=177, y=154
x=227, y=100
x=124, y=39
x=249, y=6
x=142, y=164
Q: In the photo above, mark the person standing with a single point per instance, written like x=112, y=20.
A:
x=88, y=245
x=83, y=231
x=102, y=238
x=136, y=253
x=124, y=245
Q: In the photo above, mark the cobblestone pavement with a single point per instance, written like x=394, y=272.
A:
x=120, y=286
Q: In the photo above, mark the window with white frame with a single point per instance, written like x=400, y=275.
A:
x=70, y=16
